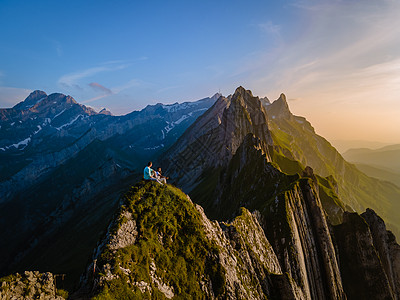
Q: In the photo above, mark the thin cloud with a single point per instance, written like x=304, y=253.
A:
x=95, y=98
x=131, y=83
x=98, y=87
x=71, y=79
x=344, y=61
x=112, y=91
x=343, y=38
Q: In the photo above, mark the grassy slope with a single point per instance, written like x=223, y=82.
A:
x=171, y=234
x=299, y=141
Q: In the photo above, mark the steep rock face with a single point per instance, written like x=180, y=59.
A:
x=296, y=223
x=278, y=109
x=222, y=130
x=30, y=285
x=292, y=217
x=387, y=248
x=247, y=256
x=363, y=273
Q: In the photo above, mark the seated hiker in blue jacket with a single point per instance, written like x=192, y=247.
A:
x=149, y=174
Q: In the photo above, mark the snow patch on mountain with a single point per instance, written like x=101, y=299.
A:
x=24, y=143
x=176, y=106
x=70, y=123
x=37, y=131
x=59, y=113
x=184, y=117
x=171, y=125
x=155, y=147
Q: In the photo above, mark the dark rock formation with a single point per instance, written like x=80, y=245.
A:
x=364, y=276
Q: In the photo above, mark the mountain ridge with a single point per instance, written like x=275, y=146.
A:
x=253, y=245
x=233, y=155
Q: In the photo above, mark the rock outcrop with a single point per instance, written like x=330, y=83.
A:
x=30, y=285
x=292, y=216
x=364, y=276
x=212, y=141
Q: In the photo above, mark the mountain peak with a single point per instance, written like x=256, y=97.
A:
x=279, y=108
x=281, y=102
x=58, y=97
x=215, y=137
x=216, y=96
x=242, y=91
x=36, y=94
x=105, y=111
x=31, y=100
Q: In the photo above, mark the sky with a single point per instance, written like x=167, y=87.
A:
x=338, y=62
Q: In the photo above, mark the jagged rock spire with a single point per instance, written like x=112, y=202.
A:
x=215, y=137
x=279, y=108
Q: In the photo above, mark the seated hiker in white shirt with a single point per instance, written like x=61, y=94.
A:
x=160, y=177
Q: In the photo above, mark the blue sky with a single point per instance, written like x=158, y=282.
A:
x=337, y=61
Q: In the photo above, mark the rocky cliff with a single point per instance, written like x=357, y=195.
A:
x=30, y=285
x=162, y=245
x=212, y=141
x=368, y=252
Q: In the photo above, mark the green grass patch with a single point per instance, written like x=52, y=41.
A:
x=170, y=234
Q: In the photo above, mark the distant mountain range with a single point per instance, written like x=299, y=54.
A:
x=382, y=163
x=343, y=145
x=387, y=157
x=286, y=203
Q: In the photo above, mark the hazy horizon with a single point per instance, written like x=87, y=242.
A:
x=338, y=62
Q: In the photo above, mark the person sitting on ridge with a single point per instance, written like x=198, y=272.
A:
x=160, y=177
x=148, y=173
